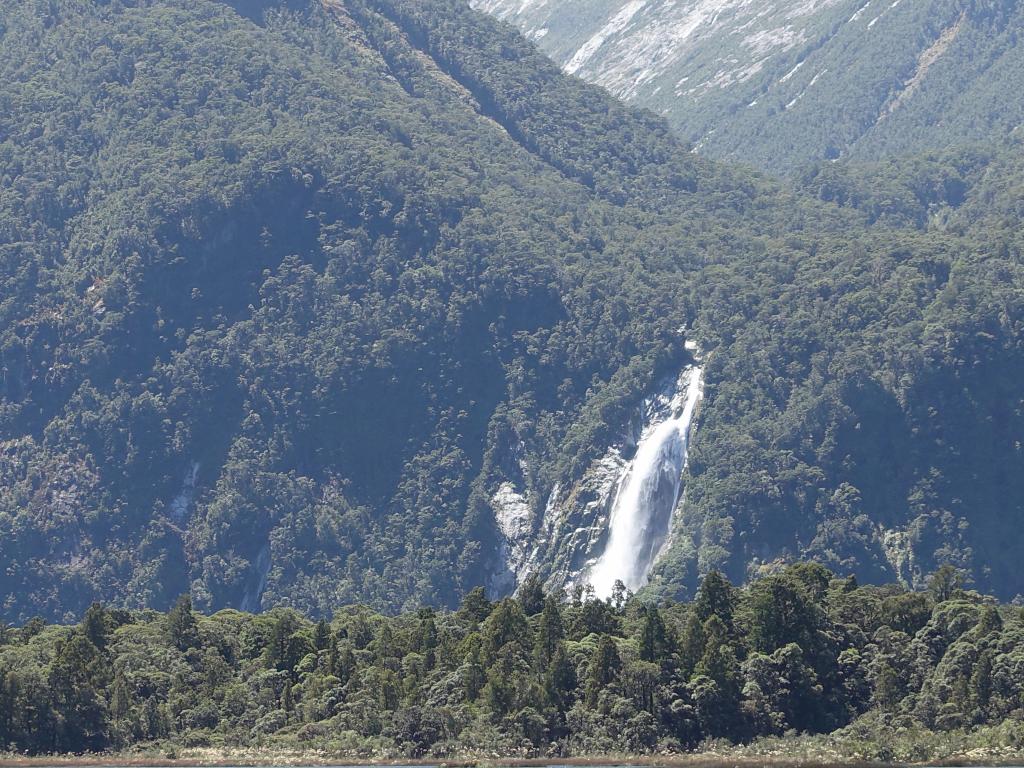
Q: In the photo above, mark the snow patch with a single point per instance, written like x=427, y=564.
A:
x=859, y=13
x=786, y=77
x=803, y=93
x=617, y=24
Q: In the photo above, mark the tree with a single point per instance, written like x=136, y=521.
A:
x=715, y=597
x=96, y=626
x=287, y=645
x=531, y=594
x=121, y=699
x=505, y=687
x=595, y=617
x=779, y=611
x=182, y=628
x=426, y=638
x=560, y=681
x=472, y=672
x=788, y=690
x=322, y=635
x=550, y=632
x=603, y=668
x=76, y=679
x=989, y=622
x=619, y=595
x=716, y=683
x=981, y=685
x=888, y=688
x=475, y=605
x=655, y=643
x=945, y=583
x=8, y=701
x=505, y=626
x=691, y=644
x=640, y=682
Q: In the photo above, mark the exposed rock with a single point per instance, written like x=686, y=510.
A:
x=567, y=539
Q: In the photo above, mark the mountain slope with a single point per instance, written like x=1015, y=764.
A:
x=781, y=84
x=291, y=296
x=272, y=289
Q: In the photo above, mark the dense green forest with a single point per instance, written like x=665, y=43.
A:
x=285, y=295
x=799, y=651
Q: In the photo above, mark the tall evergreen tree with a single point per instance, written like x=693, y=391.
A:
x=655, y=643
x=182, y=627
x=550, y=632
x=603, y=668
x=531, y=594
x=715, y=597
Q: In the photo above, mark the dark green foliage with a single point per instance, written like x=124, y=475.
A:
x=285, y=293
x=279, y=301
x=182, y=629
x=531, y=594
x=603, y=668
x=96, y=625
x=438, y=684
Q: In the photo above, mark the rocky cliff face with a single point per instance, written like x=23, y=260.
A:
x=612, y=523
x=660, y=50
x=784, y=83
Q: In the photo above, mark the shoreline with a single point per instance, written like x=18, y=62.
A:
x=314, y=760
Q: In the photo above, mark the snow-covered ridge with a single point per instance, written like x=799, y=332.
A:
x=629, y=45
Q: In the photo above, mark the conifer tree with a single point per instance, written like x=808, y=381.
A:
x=321, y=635
x=715, y=597
x=604, y=665
x=182, y=628
x=550, y=632
x=531, y=594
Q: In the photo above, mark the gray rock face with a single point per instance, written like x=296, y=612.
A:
x=780, y=83
x=567, y=539
x=648, y=493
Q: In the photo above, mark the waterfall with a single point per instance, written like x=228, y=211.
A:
x=648, y=493
x=252, y=600
x=182, y=503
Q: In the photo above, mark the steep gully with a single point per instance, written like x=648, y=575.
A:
x=648, y=494
x=612, y=524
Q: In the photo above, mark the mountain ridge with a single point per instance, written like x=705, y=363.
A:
x=780, y=85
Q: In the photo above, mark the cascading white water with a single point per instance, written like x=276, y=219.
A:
x=648, y=494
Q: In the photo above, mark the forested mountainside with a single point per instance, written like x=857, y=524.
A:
x=783, y=84
x=293, y=297
x=841, y=670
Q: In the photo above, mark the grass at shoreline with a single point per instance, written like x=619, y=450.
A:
x=865, y=746
x=738, y=757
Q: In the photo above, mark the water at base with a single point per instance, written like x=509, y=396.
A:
x=647, y=495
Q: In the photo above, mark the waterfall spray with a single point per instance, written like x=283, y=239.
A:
x=648, y=493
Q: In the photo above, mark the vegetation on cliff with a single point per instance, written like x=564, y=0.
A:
x=285, y=297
